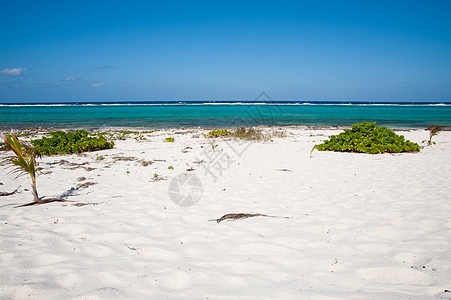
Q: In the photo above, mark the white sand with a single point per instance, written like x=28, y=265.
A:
x=360, y=226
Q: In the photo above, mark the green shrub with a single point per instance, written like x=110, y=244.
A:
x=71, y=142
x=368, y=138
x=217, y=133
x=169, y=139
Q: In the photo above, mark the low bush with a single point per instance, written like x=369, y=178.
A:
x=217, y=133
x=368, y=138
x=70, y=142
x=169, y=139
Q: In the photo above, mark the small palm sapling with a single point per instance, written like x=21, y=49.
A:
x=24, y=161
x=434, y=130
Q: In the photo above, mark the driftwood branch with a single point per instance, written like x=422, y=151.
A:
x=44, y=201
x=240, y=216
x=9, y=193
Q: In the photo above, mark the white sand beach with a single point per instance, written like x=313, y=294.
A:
x=348, y=226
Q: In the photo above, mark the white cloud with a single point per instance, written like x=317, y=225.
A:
x=13, y=71
x=97, y=84
x=70, y=78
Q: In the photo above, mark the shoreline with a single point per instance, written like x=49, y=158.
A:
x=39, y=129
x=265, y=101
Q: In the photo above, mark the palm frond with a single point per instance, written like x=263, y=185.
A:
x=13, y=143
x=24, y=161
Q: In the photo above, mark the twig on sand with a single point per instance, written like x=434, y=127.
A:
x=80, y=204
x=132, y=248
x=9, y=193
x=284, y=170
x=10, y=204
x=44, y=201
x=240, y=216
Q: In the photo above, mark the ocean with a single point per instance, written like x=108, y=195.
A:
x=221, y=114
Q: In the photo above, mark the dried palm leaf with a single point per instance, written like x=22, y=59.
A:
x=240, y=216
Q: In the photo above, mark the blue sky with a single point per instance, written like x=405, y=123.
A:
x=61, y=51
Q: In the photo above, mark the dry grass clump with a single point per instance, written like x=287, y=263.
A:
x=146, y=163
x=124, y=158
x=257, y=134
x=250, y=133
x=277, y=133
x=246, y=133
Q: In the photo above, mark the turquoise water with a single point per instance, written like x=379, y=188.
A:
x=220, y=115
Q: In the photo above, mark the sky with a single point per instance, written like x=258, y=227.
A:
x=74, y=51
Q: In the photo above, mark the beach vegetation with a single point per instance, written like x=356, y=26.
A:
x=120, y=135
x=28, y=134
x=146, y=163
x=140, y=137
x=366, y=137
x=276, y=133
x=171, y=168
x=79, y=141
x=125, y=134
x=169, y=140
x=433, y=131
x=213, y=146
x=257, y=134
x=23, y=161
x=157, y=177
x=250, y=133
x=218, y=133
